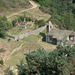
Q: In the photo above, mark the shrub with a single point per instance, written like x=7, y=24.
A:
x=1, y=62
x=40, y=23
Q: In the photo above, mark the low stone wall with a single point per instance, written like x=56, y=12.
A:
x=34, y=32
x=10, y=36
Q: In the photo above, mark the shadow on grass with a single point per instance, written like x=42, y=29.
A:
x=44, y=36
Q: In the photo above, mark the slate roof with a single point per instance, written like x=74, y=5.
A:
x=60, y=34
x=73, y=33
x=70, y=43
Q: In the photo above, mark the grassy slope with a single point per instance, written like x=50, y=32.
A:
x=33, y=42
x=12, y=5
x=31, y=12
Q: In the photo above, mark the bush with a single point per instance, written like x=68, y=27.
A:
x=28, y=19
x=40, y=23
x=1, y=62
x=2, y=50
x=2, y=34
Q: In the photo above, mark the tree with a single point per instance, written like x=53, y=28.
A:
x=23, y=69
x=40, y=23
x=4, y=25
x=58, y=62
x=19, y=20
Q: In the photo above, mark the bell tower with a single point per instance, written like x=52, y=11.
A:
x=49, y=27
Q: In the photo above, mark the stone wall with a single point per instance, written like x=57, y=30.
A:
x=34, y=32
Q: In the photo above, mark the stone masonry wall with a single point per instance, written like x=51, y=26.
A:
x=34, y=32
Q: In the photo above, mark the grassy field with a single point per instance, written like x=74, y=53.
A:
x=7, y=6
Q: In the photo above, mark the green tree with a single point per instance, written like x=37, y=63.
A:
x=58, y=62
x=19, y=20
x=40, y=23
x=4, y=25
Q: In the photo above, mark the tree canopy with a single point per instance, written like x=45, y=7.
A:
x=40, y=23
x=58, y=62
x=4, y=25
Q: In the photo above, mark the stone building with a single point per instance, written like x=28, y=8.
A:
x=56, y=36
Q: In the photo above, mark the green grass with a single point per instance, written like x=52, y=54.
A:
x=29, y=42
x=1, y=72
x=15, y=60
x=48, y=43
x=44, y=16
x=27, y=13
x=7, y=4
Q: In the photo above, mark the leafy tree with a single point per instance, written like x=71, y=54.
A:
x=4, y=25
x=14, y=22
x=40, y=23
x=58, y=62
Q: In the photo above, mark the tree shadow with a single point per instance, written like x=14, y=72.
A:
x=44, y=36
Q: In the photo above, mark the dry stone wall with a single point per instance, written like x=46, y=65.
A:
x=34, y=32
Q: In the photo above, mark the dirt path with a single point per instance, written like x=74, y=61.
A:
x=33, y=4
x=17, y=49
x=7, y=56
